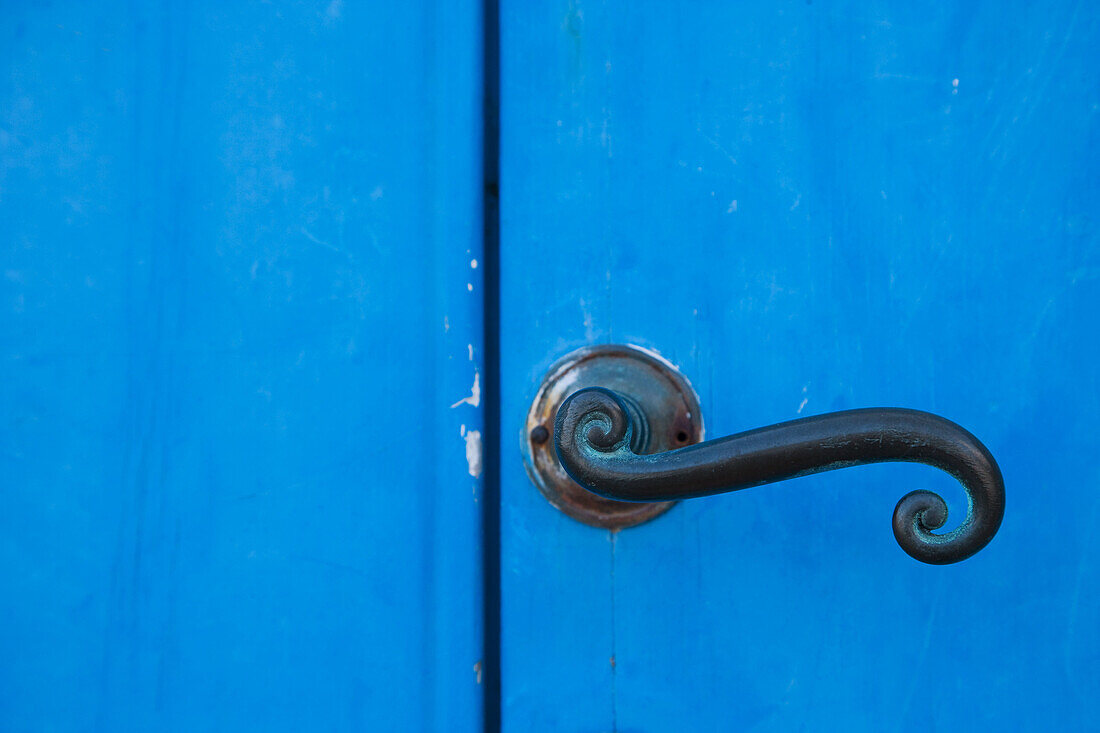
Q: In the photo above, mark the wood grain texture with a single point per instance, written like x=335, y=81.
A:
x=240, y=316
x=808, y=207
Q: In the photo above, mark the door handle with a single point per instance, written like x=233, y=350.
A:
x=594, y=428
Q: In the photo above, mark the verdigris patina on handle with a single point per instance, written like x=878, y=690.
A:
x=594, y=428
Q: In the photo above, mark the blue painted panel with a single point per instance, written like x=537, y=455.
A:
x=241, y=325
x=809, y=207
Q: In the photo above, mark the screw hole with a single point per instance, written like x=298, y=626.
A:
x=681, y=437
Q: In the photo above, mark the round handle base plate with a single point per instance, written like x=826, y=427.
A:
x=662, y=394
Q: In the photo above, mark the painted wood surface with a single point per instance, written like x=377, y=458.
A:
x=239, y=409
x=808, y=207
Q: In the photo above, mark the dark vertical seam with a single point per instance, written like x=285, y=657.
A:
x=490, y=174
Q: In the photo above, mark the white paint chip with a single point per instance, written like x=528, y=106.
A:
x=473, y=451
x=473, y=264
x=470, y=287
x=475, y=394
x=733, y=207
x=589, y=324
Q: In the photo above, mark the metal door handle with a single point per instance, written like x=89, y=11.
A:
x=594, y=427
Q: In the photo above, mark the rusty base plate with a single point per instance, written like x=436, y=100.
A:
x=664, y=397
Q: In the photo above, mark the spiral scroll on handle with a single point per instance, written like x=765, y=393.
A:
x=592, y=439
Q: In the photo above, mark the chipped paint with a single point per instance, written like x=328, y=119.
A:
x=589, y=323
x=475, y=394
x=473, y=451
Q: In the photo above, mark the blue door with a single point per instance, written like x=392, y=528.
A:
x=282, y=282
x=808, y=207
x=241, y=335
